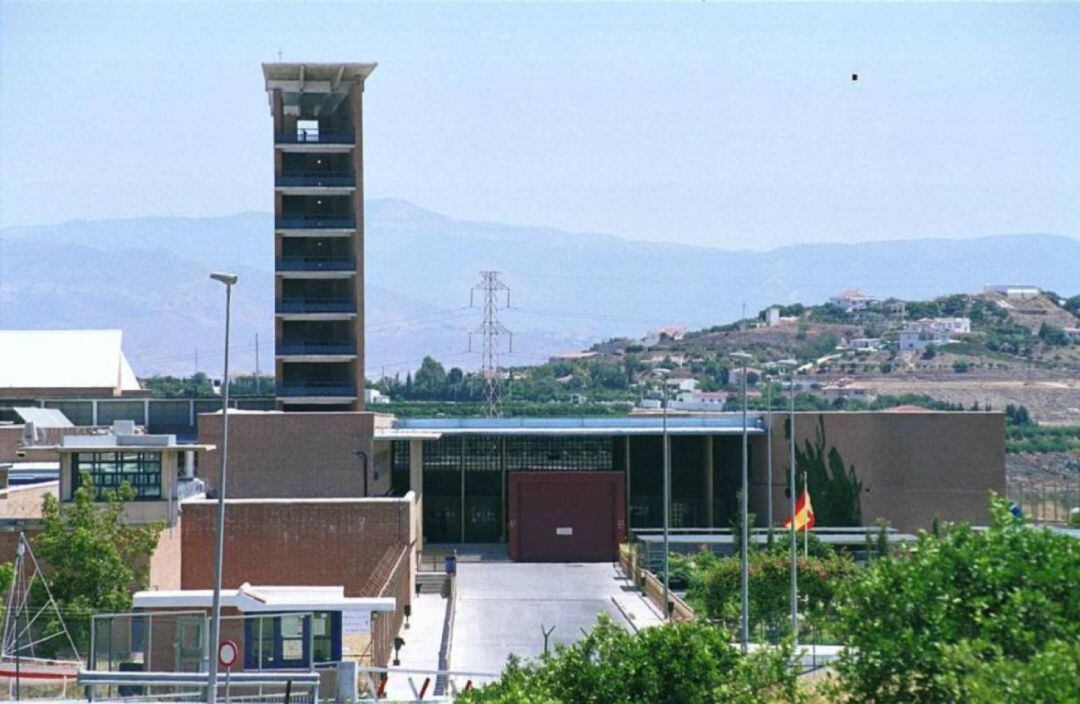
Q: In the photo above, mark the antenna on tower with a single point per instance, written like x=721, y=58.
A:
x=491, y=330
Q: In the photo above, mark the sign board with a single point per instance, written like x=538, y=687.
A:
x=227, y=653
x=355, y=622
x=566, y=530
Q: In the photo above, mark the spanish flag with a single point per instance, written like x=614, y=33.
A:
x=804, y=513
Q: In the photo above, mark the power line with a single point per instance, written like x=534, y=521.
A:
x=491, y=330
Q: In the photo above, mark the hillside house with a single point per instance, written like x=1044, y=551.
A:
x=852, y=300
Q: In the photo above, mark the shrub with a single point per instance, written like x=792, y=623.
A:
x=678, y=663
x=919, y=625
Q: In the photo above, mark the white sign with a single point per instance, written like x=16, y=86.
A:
x=355, y=622
x=227, y=652
x=566, y=530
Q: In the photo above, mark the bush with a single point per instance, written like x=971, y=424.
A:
x=820, y=577
x=921, y=625
x=678, y=663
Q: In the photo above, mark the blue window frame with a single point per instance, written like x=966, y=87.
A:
x=280, y=641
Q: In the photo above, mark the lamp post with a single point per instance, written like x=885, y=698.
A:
x=792, y=364
x=768, y=455
x=744, y=540
x=229, y=280
x=662, y=373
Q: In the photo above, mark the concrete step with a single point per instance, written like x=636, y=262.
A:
x=430, y=582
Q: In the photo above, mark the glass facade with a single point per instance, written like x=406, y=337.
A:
x=465, y=478
x=107, y=471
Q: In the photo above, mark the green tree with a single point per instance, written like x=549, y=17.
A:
x=921, y=624
x=680, y=663
x=95, y=559
x=834, y=489
x=430, y=380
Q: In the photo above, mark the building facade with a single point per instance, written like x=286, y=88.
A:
x=317, y=111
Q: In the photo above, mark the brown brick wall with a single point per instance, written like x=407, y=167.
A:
x=293, y=455
x=318, y=543
x=914, y=467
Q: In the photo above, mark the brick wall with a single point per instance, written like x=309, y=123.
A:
x=913, y=466
x=294, y=455
x=331, y=542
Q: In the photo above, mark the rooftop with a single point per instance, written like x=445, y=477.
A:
x=262, y=598
x=64, y=359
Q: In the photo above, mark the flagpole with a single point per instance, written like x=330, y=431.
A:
x=806, y=524
x=792, y=473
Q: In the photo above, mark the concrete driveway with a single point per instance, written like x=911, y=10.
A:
x=502, y=606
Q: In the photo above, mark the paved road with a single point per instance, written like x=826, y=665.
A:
x=501, y=607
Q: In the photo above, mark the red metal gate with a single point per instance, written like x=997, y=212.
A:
x=566, y=516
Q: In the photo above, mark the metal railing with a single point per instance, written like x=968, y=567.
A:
x=315, y=305
x=345, y=347
x=317, y=180
x=314, y=263
x=317, y=388
x=315, y=137
x=314, y=222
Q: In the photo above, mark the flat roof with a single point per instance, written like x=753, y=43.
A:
x=65, y=359
x=719, y=424
x=250, y=598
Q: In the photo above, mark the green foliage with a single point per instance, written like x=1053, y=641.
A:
x=1053, y=336
x=198, y=385
x=962, y=611
x=681, y=663
x=96, y=560
x=960, y=366
x=1040, y=439
x=930, y=352
x=982, y=674
x=834, y=489
x=1017, y=415
x=817, y=347
x=820, y=576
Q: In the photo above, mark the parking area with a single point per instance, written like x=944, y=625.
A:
x=502, y=608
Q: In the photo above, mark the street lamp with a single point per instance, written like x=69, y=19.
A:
x=768, y=454
x=744, y=540
x=792, y=364
x=662, y=373
x=215, y=623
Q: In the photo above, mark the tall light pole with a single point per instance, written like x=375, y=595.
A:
x=662, y=373
x=215, y=623
x=792, y=364
x=744, y=540
x=768, y=454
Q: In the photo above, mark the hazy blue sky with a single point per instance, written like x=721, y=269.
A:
x=732, y=125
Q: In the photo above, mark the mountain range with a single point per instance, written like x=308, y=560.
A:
x=148, y=276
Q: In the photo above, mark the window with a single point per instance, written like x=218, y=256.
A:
x=281, y=641
x=107, y=471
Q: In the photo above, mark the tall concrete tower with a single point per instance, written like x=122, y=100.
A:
x=318, y=233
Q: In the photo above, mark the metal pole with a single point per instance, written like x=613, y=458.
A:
x=745, y=539
x=215, y=623
x=806, y=526
x=794, y=548
x=667, y=502
x=768, y=454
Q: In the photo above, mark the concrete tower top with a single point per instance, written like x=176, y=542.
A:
x=313, y=89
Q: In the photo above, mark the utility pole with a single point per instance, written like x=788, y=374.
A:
x=256, y=364
x=490, y=330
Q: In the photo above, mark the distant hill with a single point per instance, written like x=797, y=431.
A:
x=148, y=276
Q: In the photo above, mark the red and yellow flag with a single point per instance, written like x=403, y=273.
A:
x=804, y=513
